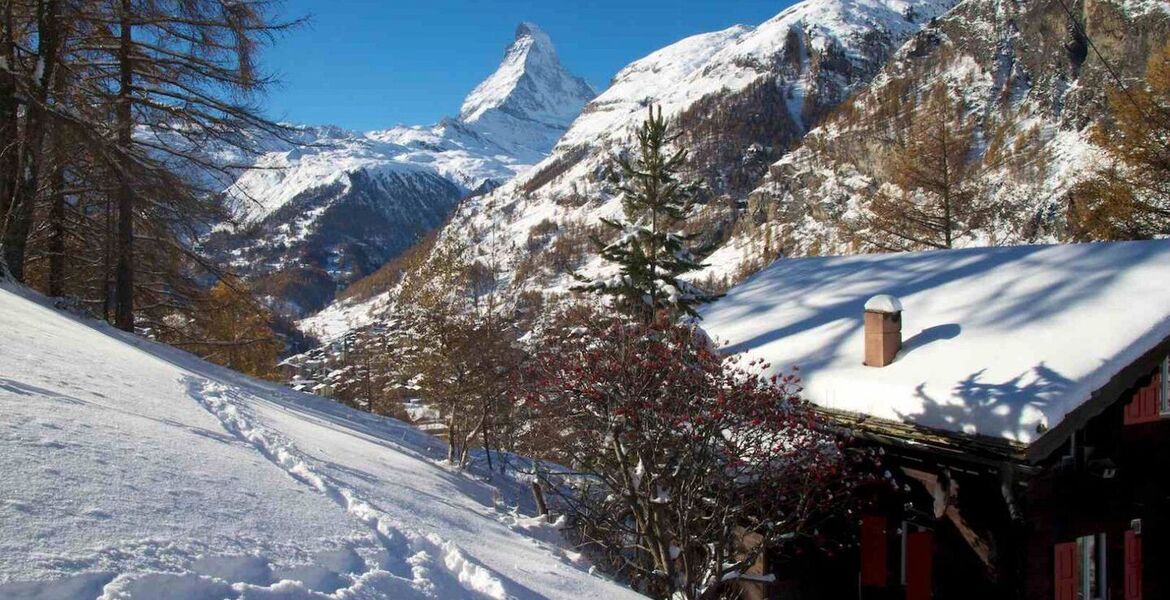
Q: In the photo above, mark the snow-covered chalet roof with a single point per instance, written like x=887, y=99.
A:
x=1003, y=342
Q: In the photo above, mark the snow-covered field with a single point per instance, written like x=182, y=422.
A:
x=133, y=470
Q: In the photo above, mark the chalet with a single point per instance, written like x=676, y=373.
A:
x=1019, y=398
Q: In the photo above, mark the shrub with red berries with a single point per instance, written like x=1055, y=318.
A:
x=685, y=465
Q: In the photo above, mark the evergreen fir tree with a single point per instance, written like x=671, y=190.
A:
x=649, y=249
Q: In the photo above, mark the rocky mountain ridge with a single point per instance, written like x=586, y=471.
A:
x=741, y=96
x=791, y=124
x=1030, y=82
x=530, y=100
x=321, y=213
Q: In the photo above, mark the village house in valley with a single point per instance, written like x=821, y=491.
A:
x=1018, y=397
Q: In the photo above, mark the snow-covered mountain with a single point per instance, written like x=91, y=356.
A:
x=529, y=101
x=741, y=97
x=134, y=470
x=323, y=212
x=814, y=52
x=1028, y=81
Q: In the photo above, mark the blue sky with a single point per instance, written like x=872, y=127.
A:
x=367, y=64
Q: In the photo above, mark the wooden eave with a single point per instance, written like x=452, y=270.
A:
x=1101, y=399
x=929, y=443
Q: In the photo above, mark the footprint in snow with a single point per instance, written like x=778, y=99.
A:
x=18, y=506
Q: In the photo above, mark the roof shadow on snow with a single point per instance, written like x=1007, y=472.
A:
x=984, y=293
x=993, y=408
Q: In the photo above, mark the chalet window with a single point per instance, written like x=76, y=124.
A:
x=1091, y=555
x=1080, y=569
x=1093, y=573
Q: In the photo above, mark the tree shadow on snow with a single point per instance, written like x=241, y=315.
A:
x=1013, y=286
x=24, y=389
x=1007, y=409
x=843, y=284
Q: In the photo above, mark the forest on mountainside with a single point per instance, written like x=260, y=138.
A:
x=1047, y=112
x=932, y=155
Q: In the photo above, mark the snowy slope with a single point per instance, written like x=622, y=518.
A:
x=859, y=32
x=998, y=341
x=331, y=154
x=129, y=469
x=343, y=316
x=794, y=68
x=508, y=122
x=530, y=99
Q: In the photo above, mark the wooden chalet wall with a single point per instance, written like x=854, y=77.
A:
x=902, y=550
x=984, y=522
x=1113, y=478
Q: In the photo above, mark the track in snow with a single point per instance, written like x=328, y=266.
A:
x=409, y=554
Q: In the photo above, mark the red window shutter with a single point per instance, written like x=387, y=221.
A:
x=1143, y=407
x=919, y=565
x=873, y=551
x=1133, y=410
x=1156, y=397
x=1066, y=571
x=1133, y=566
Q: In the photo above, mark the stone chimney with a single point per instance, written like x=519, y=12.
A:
x=883, y=330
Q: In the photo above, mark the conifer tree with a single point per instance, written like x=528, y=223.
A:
x=1129, y=197
x=231, y=328
x=650, y=251
x=936, y=202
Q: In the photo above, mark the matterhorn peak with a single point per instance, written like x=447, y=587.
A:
x=528, y=29
x=530, y=99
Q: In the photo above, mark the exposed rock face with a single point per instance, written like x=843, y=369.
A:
x=790, y=126
x=336, y=233
x=1028, y=79
x=529, y=102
